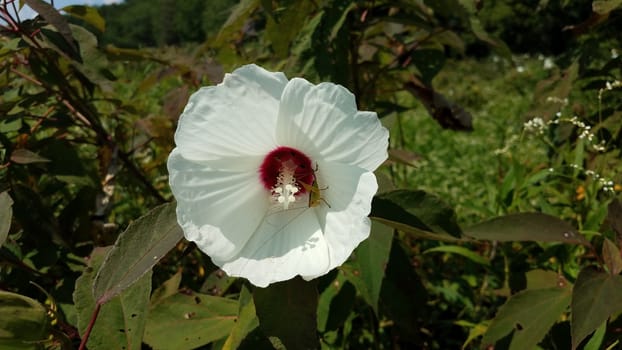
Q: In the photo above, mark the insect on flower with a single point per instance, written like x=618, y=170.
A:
x=315, y=194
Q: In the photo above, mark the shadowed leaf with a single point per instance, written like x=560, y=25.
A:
x=366, y=271
x=596, y=297
x=24, y=156
x=448, y=114
x=526, y=227
x=23, y=321
x=614, y=217
x=612, y=257
x=416, y=212
x=6, y=213
x=137, y=250
x=465, y=252
x=53, y=17
x=287, y=310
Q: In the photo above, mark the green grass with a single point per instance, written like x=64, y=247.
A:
x=466, y=169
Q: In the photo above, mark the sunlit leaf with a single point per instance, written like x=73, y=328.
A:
x=121, y=321
x=169, y=288
x=416, y=212
x=525, y=227
x=404, y=157
x=597, y=338
x=366, y=270
x=236, y=21
x=530, y=314
x=292, y=16
x=88, y=14
x=287, y=311
x=24, y=156
x=23, y=321
x=188, y=320
x=603, y=7
x=247, y=321
x=541, y=279
x=137, y=250
x=6, y=214
x=596, y=297
x=459, y=250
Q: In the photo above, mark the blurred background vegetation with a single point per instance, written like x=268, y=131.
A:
x=89, y=102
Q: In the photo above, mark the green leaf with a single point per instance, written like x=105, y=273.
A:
x=291, y=16
x=541, y=279
x=603, y=7
x=596, y=297
x=6, y=213
x=287, y=311
x=335, y=304
x=188, y=320
x=597, y=339
x=247, y=321
x=454, y=249
x=403, y=297
x=88, y=14
x=53, y=17
x=121, y=321
x=168, y=288
x=417, y=213
x=614, y=217
x=24, y=156
x=481, y=34
x=612, y=257
x=236, y=21
x=429, y=61
x=526, y=227
x=23, y=321
x=137, y=250
x=366, y=271
x=530, y=314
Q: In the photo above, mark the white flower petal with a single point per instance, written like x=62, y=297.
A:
x=234, y=118
x=349, y=192
x=288, y=243
x=217, y=209
x=323, y=120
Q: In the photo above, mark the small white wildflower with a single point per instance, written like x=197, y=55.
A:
x=548, y=63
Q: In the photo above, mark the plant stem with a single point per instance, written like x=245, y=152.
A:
x=87, y=333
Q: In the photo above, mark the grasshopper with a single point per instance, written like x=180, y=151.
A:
x=315, y=196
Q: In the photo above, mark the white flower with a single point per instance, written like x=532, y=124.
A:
x=274, y=178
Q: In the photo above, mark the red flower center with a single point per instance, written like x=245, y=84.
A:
x=286, y=162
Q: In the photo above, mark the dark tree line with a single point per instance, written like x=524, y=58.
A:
x=139, y=23
x=527, y=26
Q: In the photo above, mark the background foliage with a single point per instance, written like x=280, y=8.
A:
x=498, y=220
